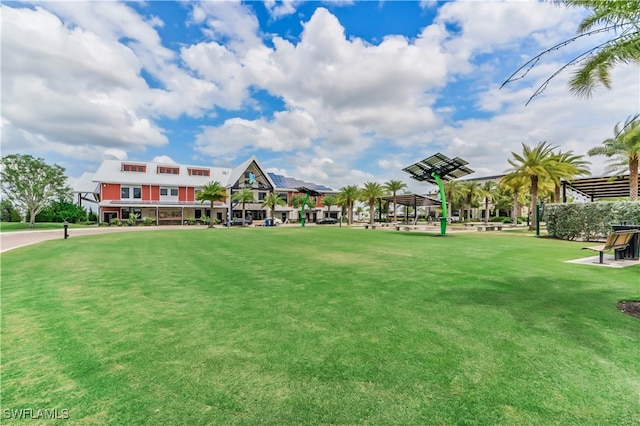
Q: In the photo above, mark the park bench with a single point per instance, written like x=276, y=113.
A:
x=258, y=223
x=497, y=227
x=616, y=241
x=367, y=226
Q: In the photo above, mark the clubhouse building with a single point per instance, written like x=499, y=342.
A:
x=166, y=192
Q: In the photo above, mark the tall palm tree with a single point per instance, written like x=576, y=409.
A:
x=488, y=192
x=245, y=195
x=517, y=184
x=453, y=192
x=624, y=151
x=534, y=164
x=567, y=165
x=394, y=186
x=272, y=200
x=212, y=192
x=369, y=192
x=471, y=191
x=330, y=200
x=347, y=196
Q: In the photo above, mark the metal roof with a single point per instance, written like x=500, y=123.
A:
x=438, y=164
x=600, y=187
x=283, y=182
x=86, y=184
x=413, y=200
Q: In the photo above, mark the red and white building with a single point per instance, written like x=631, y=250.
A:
x=166, y=192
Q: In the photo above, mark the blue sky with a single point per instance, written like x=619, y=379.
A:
x=335, y=93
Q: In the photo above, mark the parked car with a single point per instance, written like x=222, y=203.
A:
x=238, y=222
x=327, y=221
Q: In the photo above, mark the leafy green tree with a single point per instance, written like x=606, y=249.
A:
x=623, y=149
x=533, y=164
x=212, y=192
x=330, y=200
x=393, y=186
x=369, y=192
x=347, y=196
x=60, y=211
x=272, y=200
x=245, y=195
x=30, y=183
x=617, y=18
x=8, y=213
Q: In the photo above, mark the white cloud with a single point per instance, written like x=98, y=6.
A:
x=163, y=159
x=278, y=9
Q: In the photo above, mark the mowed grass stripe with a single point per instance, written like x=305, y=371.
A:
x=317, y=326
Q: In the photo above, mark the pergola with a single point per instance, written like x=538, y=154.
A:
x=413, y=200
x=596, y=188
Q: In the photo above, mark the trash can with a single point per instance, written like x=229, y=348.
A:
x=633, y=251
x=267, y=222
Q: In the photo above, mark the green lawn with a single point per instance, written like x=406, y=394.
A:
x=321, y=325
x=38, y=226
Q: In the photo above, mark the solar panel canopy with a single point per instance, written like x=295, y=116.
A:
x=438, y=164
x=305, y=190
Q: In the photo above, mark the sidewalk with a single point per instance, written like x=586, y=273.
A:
x=13, y=240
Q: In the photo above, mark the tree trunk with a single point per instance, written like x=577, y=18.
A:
x=516, y=208
x=534, y=202
x=243, y=215
x=633, y=179
x=395, y=207
x=469, y=213
x=556, y=194
x=372, y=210
x=486, y=211
x=350, y=213
x=32, y=219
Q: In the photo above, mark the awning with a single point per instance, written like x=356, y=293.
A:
x=598, y=187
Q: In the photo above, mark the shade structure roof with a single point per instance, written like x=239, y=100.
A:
x=308, y=191
x=600, y=187
x=439, y=164
x=413, y=200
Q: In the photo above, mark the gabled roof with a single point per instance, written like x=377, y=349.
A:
x=110, y=172
x=86, y=184
x=239, y=170
x=287, y=183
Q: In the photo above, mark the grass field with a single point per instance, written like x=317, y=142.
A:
x=322, y=325
x=38, y=226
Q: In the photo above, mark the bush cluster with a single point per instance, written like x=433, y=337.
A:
x=589, y=221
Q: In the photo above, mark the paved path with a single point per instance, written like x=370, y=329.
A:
x=12, y=240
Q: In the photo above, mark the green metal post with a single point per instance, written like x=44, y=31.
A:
x=537, y=220
x=304, y=203
x=443, y=200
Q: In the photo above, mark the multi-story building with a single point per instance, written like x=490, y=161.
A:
x=167, y=192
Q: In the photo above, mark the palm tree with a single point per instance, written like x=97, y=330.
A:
x=245, y=195
x=617, y=18
x=567, y=165
x=369, y=193
x=488, y=192
x=517, y=185
x=329, y=200
x=471, y=191
x=534, y=164
x=212, y=192
x=272, y=200
x=394, y=186
x=624, y=151
x=453, y=192
x=347, y=196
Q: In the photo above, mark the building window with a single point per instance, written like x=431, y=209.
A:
x=124, y=192
x=283, y=196
x=163, y=191
x=261, y=196
x=199, y=172
x=137, y=193
x=134, y=168
x=174, y=192
x=169, y=170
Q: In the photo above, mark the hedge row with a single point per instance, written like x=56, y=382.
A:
x=589, y=221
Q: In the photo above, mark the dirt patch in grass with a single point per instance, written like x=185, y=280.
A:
x=630, y=307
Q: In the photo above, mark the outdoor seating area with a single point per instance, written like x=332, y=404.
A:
x=618, y=242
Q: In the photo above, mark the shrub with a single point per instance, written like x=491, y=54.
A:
x=191, y=221
x=132, y=219
x=115, y=222
x=148, y=221
x=103, y=224
x=589, y=220
x=499, y=219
